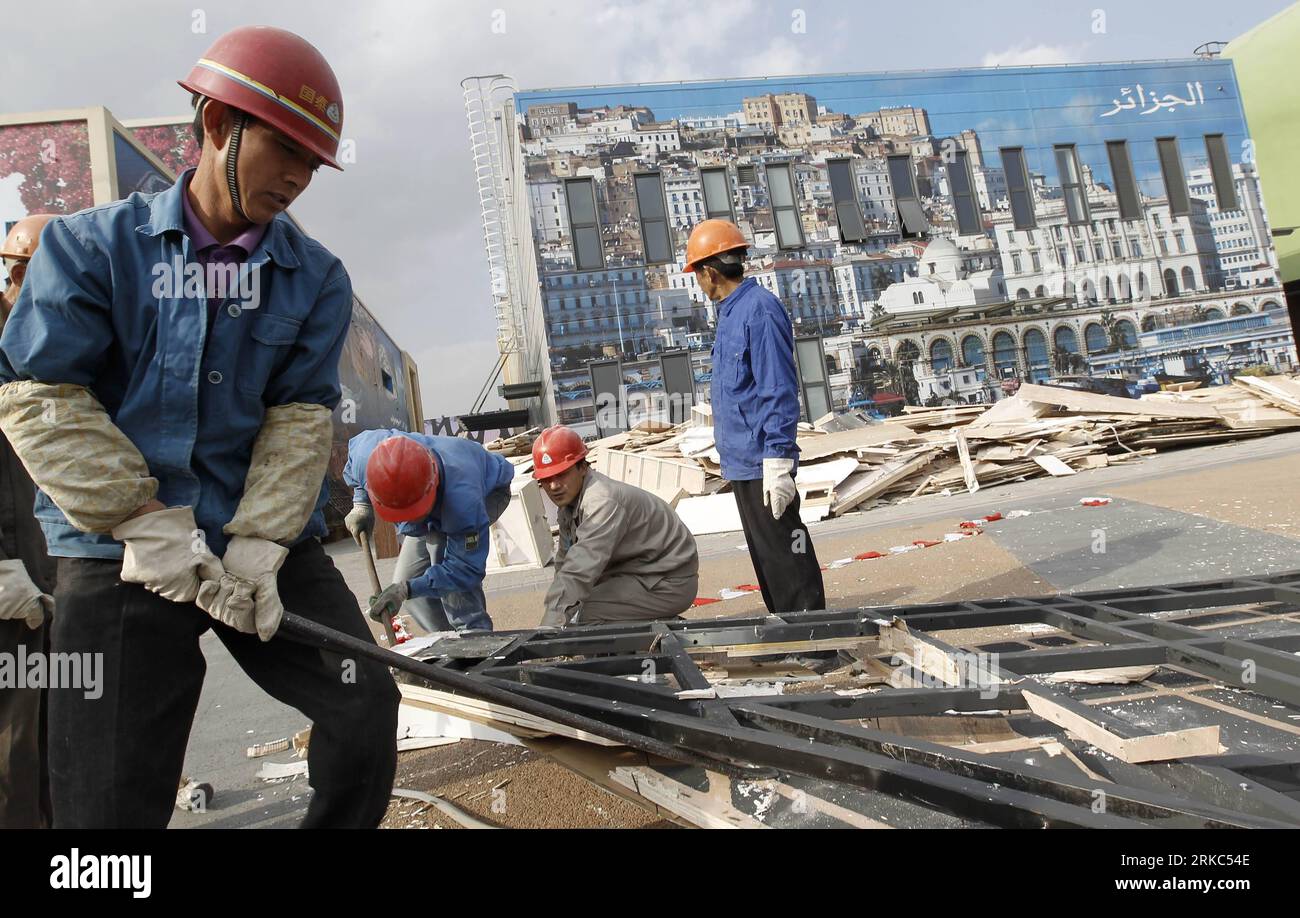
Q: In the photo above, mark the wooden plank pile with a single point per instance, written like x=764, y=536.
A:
x=521, y=444
x=1039, y=431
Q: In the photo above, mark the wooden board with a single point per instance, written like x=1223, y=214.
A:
x=1282, y=391
x=1158, y=747
x=1092, y=403
x=1014, y=410
x=508, y=720
x=1053, y=466
x=863, y=485
x=820, y=446
x=707, y=515
x=1119, y=675
x=967, y=470
x=659, y=475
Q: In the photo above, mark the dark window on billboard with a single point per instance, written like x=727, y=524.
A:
x=717, y=194
x=654, y=218
x=1076, y=198
x=584, y=227
x=1121, y=170
x=1017, y=175
x=134, y=171
x=964, y=199
x=848, y=214
x=747, y=175
x=1171, y=167
x=910, y=215
x=1225, y=189
x=785, y=214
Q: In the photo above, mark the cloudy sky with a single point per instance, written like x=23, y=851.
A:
x=404, y=218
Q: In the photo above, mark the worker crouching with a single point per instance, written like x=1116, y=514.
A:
x=624, y=555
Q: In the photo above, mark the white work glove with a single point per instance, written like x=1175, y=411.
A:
x=389, y=601
x=778, y=485
x=361, y=518
x=165, y=552
x=21, y=598
x=256, y=562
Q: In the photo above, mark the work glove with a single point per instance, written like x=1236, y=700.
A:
x=230, y=601
x=361, y=518
x=166, y=553
x=778, y=485
x=389, y=601
x=21, y=598
x=257, y=561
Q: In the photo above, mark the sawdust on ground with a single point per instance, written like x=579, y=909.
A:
x=505, y=786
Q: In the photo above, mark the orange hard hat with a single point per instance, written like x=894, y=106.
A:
x=25, y=236
x=402, y=480
x=556, y=449
x=712, y=237
x=278, y=78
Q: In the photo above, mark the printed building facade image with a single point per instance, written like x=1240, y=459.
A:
x=941, y=232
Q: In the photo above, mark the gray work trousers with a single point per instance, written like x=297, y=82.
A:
x=638, y=597
x=464, y=610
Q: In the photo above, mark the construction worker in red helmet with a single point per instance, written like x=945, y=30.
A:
x=183, y=485
x=444, y=493
x=624, y=555
x=755, y=402
x=26, y=588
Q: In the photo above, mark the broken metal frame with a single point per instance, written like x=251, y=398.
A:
x=607, y=675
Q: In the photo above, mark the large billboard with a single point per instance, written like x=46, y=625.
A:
x=875, y=201
x=44, y=168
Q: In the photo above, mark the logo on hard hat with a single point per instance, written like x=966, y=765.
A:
x=332, y=113
x=546, y=458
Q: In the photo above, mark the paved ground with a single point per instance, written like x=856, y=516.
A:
x=1189, y=515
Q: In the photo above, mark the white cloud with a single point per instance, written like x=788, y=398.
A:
x=1028, y=55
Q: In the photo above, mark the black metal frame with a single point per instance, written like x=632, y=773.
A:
x=583, y=673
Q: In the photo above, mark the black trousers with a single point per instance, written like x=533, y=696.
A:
x=116, y=760
x=782, y=552
x=24, y=778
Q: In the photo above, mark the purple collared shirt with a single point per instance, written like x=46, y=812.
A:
x=207, y=251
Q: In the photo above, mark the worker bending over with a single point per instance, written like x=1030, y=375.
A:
x=26, y=585
x=444, y=493
x=624, y=554
x=180, y=439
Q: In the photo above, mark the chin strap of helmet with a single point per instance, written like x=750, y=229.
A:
x=232, y=157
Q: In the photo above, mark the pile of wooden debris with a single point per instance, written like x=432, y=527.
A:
x=847, y=463
x=521, y=444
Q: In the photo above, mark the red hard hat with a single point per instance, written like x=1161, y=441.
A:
x=402, y=480
x=278, y=78
x=556, y=450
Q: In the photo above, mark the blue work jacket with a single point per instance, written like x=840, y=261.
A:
x=102, y=307
x=467, y=474
x=755, y=391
